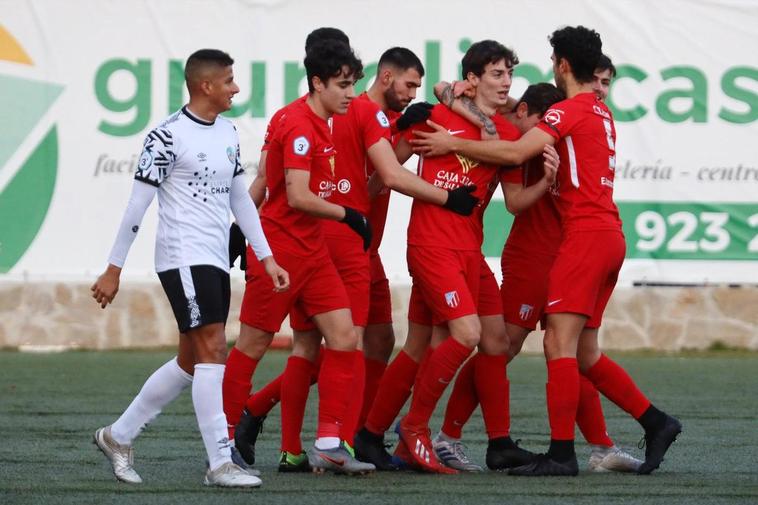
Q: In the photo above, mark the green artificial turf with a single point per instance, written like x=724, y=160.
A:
x=50, y=404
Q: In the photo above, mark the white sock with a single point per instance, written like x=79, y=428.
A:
x=160, y=389
x=209, y=410
x=325, y=443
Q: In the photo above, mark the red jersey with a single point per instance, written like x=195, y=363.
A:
x=380, y=204
x=433, y=225
x=586, y=136
x=303, y=141
x=275, y=120
x=537, y=229
x=354, y=133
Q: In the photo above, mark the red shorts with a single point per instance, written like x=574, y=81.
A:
x=524, y=289
x=418, y=311
x=315, y=288
x=447, y=279
x=380, y=301
x=585, y=273
x=489, y=292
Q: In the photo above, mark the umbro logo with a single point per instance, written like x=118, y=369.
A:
x=202, y=157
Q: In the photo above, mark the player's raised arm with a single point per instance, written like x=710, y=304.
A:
x=519, y=197
x=501, y=152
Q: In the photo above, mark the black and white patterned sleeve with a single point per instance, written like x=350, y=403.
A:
x=157, y=158
x=238, y=169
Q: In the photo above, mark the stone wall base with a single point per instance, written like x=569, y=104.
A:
x=57, y=315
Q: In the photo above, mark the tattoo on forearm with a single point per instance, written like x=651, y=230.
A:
x=447, y=97
x=487, y=123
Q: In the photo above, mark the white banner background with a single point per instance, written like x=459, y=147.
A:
x=69, y=42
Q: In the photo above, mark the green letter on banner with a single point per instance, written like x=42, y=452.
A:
x=139, y=101
x=729, y=85
x=636, y=112
x=698, y=94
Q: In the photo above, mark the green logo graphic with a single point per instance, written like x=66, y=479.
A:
x=26, y=185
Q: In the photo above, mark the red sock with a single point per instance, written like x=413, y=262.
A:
x=374, y=372
x=261, y=402
x=562, y=397
x=493, y=390
x=296, y=384
x=443, y=363
x=422, y=367
x=394, y=390
x=589, y=414
x=462, y=401
x=613, y=381
x=236, y=387
x=334, y=384
x=355, y=403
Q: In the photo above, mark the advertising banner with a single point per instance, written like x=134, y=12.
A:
x=82, y=82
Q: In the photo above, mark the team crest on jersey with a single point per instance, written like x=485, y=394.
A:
x=452, y=299
x=553, y=116
x=382, y=118
x=343, y=186
x=301, y=146
x=525, y=312
x=230, y=154
x=466, y=163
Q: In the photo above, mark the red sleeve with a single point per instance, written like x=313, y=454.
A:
x=374, y=123
x=271, y=129
x=560, y=119
x=512, y=175
x=298, y=141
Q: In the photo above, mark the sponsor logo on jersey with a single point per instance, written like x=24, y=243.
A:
x=343, y=186
x=526, y=311
x=466, y=163
x=382, y=118
x=452, y=299
x=553, y=116
x=301, y=146
x=606, y=182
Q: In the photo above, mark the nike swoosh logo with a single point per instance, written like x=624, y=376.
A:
x=327, y=149
x=332, y=460
x=550, y=304
x=452, y=132
x=443, y=381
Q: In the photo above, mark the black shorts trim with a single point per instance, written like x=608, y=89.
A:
x=198, y=294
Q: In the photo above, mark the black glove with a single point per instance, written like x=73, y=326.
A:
x=415, y=113
x=359, y=224
x=237, y=247
x=461, y=201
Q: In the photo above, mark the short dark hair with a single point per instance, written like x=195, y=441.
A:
x=402, y=59
x=540, y=97
x=203, y=58
x=581, y=47
x=325, y=33
x=326, y=59
x=484, y=52
x=605, y=63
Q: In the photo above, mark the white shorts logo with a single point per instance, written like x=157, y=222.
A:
x=452, y=299
x=301, y=146
x=382, y=119
x=343, y=186
x=525, y=312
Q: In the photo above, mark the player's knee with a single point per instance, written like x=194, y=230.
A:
x=586, y=358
